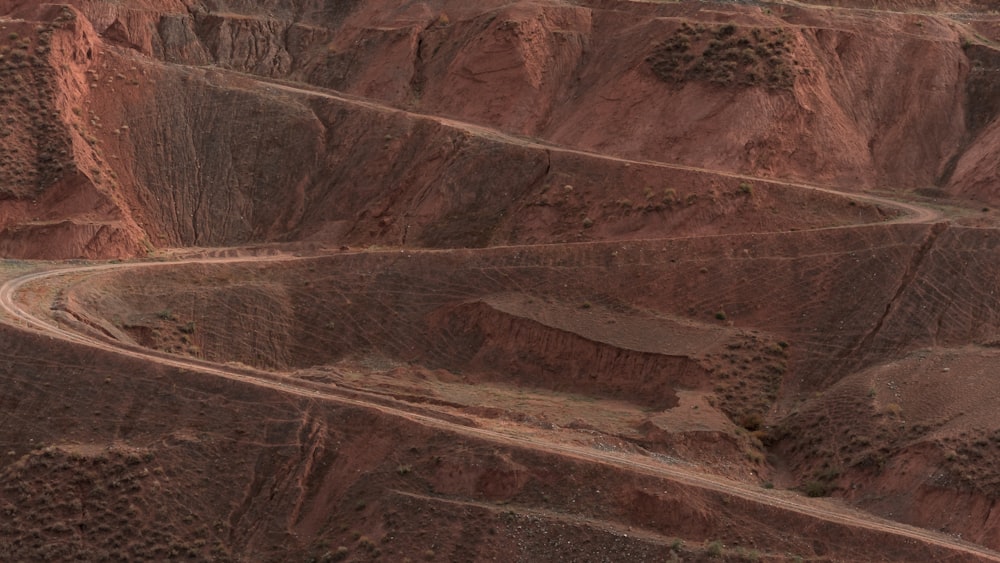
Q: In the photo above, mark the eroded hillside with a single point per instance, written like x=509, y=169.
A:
x=441, y=280
x=776, y=92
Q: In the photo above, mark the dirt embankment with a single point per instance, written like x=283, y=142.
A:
x=528, y=353
x=914, y=433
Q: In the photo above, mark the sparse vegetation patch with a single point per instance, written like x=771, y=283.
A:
x=79, y=504
x=726, y=55
x=31, y=129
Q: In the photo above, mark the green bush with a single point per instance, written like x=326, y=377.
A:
x=817, y=489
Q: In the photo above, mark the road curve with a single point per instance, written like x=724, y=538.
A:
x=19, y=316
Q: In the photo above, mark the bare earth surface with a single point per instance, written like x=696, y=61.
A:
x=499, y=281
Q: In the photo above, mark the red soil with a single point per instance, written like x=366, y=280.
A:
x=517, y=281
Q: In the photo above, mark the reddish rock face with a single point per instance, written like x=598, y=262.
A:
x=488, y=280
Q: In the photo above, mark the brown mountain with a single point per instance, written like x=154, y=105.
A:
x=600, y=280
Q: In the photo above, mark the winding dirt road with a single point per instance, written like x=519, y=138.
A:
x=19, y=315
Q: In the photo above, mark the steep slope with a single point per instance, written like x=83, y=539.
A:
x=787, y=94
x=140, y=171
x=360, y=174
x=58, y=199
x=581, y=75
